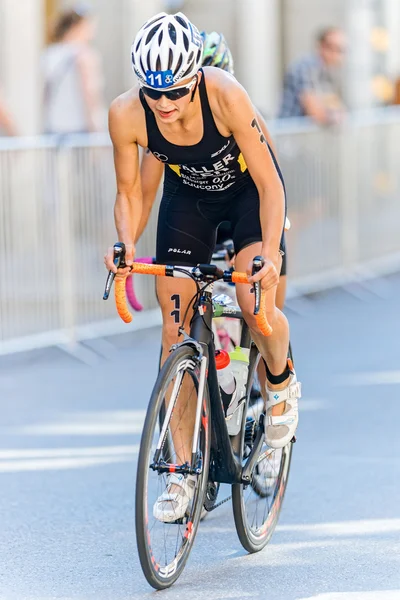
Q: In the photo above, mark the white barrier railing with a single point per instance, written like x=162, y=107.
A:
x=56, y=221
x=343, y=188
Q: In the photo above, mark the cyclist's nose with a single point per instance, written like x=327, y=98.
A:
x=163, y=102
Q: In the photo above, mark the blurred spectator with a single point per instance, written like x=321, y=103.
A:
x=396, y=91
x=6, y=121
x=311, y=85
x=73, y=82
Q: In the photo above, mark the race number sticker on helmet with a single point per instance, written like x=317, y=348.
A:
x=159, y=79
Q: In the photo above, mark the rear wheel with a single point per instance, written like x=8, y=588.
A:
x=164, y=547
x=256, y=506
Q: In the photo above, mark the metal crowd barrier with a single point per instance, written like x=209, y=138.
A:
x=56, y=221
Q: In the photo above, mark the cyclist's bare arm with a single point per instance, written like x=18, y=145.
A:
x=151, y=171
x=235, y=115
x=126, y=131
x=265, y=131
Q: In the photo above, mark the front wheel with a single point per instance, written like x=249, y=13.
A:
x=256, y=506
x=164, y=547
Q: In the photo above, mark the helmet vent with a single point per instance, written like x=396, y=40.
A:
x=186, y=42
x=190, y=57
x=155, y=20
x=172, y=32
x=158, y=64
x=181, y=22
x=151, y=34
x=170, y=59
x=179, y=64
x=160, y=37
x=188, y=71
x=142, y=66
x=148, y=63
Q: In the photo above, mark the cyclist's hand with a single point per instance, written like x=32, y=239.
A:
x=268, y=275
x=129, y=256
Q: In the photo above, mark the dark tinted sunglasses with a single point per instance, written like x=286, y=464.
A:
x=174, y=94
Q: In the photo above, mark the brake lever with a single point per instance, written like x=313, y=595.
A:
x=119, y=261
x=258, y=263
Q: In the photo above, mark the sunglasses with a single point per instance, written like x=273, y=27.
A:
x=174, y=94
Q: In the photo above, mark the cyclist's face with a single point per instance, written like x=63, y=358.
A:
x=168, y=110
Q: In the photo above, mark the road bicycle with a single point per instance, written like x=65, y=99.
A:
x=258, y=474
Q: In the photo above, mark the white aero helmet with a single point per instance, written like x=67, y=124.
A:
x=166, y=49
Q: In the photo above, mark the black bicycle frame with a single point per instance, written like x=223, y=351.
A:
x=225, y=464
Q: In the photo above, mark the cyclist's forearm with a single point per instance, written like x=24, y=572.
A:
x=146, y=211
x=127, y=215
x=151, y=171
x=272, y=216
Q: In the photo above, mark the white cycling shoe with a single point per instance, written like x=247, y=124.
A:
x=172, y=505
x=280, y=430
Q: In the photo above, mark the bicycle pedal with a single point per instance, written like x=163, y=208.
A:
x=181, y=521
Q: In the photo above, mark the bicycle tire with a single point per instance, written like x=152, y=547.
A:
x=254, y=533
x=161, y=576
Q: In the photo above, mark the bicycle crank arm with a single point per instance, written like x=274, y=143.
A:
x=255, y=451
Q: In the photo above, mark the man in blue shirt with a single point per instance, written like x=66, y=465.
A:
x=311, y=85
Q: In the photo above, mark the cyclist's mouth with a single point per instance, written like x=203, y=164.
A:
x=166, y=114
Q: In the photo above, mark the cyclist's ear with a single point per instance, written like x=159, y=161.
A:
x=198, y=79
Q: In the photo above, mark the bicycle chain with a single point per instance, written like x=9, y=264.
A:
x=218, y=504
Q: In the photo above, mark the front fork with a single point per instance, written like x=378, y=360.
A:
x=199, y=407
x=196, y=465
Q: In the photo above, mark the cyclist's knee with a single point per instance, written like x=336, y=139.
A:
x=169, y=332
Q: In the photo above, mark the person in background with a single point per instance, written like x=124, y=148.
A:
x=311, y=86
x=73, y=82
x=6, y=121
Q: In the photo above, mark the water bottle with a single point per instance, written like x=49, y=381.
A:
x=226, y=378
x=240, y=368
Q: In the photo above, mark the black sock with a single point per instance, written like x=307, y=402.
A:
x=277, y=379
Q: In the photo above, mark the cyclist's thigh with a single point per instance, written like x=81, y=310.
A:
x=174, y=296
x=246, y=225
x=184, y=237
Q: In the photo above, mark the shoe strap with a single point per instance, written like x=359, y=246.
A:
x=285, y=419
x=292, y=391
x=177, y=479
x=186, y=484
x=168, y=497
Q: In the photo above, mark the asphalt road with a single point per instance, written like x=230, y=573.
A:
x=69, y=436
